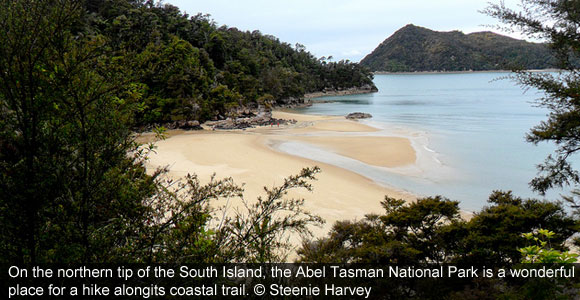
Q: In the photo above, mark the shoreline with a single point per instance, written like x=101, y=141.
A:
x=458, y=72
x=252, y=157
x=258, y=157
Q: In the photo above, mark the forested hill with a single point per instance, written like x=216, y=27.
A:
x=414, y=48
x=189, y=68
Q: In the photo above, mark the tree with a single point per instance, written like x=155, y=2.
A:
x=28, y=44
x=193, y=69
x=556, y=22
x=73, y=183
x=177, y=76
x=430, y=230
x=66, y=105
x=493, y=235
x=260, y=232
x=406, y=234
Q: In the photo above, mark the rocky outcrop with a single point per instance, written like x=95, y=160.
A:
x=293, y=102
x=185, y=125
x=249, y=119
x=358, y=115
x=182, y=124
x=365, y=89
x=243, y=123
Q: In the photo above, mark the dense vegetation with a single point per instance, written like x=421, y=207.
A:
x=189, y=68
x=431, y=231
x=414, y=48
x=76, y=78
x=510, y=229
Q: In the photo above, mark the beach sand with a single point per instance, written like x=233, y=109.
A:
x=388, y=152
x=247, y=157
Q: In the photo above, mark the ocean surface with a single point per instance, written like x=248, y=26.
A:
x=468, y=130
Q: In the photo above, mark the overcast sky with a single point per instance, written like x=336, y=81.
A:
x=343, y=29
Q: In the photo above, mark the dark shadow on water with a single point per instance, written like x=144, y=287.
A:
x=345, y=101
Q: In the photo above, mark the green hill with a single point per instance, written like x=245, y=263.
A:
x=189, y=68
x=413, y=48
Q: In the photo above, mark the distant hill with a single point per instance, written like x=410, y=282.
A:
x=413, y=48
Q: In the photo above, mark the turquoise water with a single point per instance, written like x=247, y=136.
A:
x=468, y=130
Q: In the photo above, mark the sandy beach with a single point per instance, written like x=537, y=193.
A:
x=250, y=157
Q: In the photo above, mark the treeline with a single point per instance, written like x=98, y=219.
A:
x=188, y=68
x=413, y=48
x=73, y=183
x=76, y=77
x=431, y=232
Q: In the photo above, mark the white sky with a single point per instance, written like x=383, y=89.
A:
x=343, y=29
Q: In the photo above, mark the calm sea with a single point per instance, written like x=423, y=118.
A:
x=468, y=130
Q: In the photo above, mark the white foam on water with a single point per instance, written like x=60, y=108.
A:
x=427, y=170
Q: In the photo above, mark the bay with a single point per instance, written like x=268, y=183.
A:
x=468, y=130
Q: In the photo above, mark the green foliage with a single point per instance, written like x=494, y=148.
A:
x=192, y=69
x=541, y=251
x=572, y=201
x=177, y=77
x=180, y=223
x=260, y=232
x=414, y=48
x=555, y=22
x=407, y=233
x=73, y=183
x=174, y=225
x=224, y=99
x=492, y=236
x=431, y=230
x=65, y=104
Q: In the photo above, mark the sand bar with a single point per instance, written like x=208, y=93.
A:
x=388, y=152
x=246, y=156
